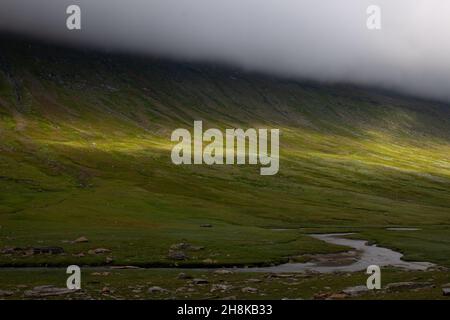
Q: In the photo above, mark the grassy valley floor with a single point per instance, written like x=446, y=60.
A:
x=85, y=152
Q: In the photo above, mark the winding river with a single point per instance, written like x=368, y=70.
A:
x=359, y=258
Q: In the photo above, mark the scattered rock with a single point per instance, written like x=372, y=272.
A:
x=337, y=296
x=409, y=286
x=209, y=261
x=156, y=289
x=229, y=298
x=221, y=287
x=183, y=275
x=109, y=260
x=99, y=251
x=46, y=291
x=446, y=292
x=249, y=290
x=32, y=250
x=177, y=255
x=81, y=240
x=180, y=246
x=185, y=246
x=321, y=295
x=438, y=268
x=355, y=291
x=199, y=281
x=176, y=251
x=10, y=250
x=105, y=290
x=48, y=250
x=5, y=293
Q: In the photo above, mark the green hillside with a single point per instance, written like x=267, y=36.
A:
x=85, y=151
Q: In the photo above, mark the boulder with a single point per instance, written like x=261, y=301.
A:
x=81, y=240
x=249, y=290
x=221, y=287
x=105, y=290
x=183, y=275
x=99, y=251
x=209, y=261
x=5, y=293
x=180, y=246
x=32, y=250
x=355, y=291
x=156, y=289
x=337, y=296
x=177, y=255
x=48, y=250
x=199, y=281
x=409, y=286
x=10, y=250
x=47, y=291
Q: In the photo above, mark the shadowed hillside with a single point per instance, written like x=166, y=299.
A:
x=85, y=151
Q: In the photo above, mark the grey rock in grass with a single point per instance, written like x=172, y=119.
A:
x=199, y=281
x=47, y=291
x=6, y=293
x=81, y=240
x=156, y=289
x=99, y=251
x=409, y=286
x=355, y=291
x=177, y=255
x=183, y=275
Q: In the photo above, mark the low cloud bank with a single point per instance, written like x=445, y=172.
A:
x=323, y=40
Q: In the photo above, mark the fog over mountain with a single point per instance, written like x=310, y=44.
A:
x=325, y=40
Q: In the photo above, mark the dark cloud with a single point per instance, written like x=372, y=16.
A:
x=325, y=40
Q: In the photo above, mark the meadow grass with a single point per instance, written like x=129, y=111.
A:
x=85, y=151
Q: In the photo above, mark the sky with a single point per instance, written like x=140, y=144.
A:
x=323, y=40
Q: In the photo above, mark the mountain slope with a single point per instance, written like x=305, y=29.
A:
x=85, y=150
